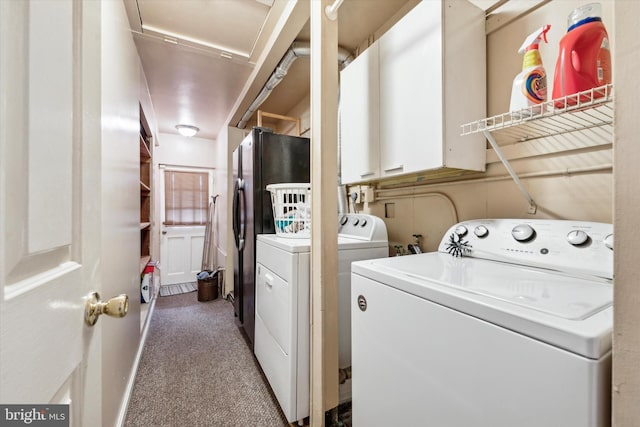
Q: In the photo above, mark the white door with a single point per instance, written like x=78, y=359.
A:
x=49, y=205
x=182, y=239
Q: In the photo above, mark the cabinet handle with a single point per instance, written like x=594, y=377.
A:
x=268, y=280
x=394, y=168
x=362, y=175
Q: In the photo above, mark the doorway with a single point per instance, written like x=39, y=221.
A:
x=185, y=196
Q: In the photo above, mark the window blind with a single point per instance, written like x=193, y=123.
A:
x=186, y=198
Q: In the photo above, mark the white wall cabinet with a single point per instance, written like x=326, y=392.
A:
x=359, y=115
x=405, y=114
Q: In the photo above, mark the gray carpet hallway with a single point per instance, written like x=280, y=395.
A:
x=197, y=370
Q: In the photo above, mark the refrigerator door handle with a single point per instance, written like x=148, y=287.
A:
x=242, y=217
x=236, y=213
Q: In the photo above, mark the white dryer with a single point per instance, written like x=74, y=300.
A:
x=508, y=324
x=282, y=305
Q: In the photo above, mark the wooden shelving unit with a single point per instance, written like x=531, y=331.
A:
x=146, y=210
x=145, y=191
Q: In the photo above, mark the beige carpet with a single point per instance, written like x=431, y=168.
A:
x=197, y=370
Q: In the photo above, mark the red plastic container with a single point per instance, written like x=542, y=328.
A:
x=584, y=60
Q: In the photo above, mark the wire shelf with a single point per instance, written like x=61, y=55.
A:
x=584, y=110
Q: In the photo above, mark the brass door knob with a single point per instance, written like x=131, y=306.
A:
x=115, y=307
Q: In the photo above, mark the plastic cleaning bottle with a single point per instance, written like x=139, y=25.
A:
x=530, y=85
x=584, y=60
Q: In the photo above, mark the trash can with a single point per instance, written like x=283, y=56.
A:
x=208, y=287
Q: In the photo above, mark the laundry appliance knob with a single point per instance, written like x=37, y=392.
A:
x=523, y=232
x=577, y=237
x=481, y=231
x=608, y=241
x=461, y=230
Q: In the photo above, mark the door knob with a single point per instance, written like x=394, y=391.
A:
x=115, y=307
x=164, y=232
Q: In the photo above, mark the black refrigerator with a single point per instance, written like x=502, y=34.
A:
x=262, y=158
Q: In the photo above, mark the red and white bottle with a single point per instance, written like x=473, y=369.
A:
x=584, y=59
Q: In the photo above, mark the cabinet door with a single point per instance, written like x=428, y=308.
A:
x=359, y=106
x=411, y=92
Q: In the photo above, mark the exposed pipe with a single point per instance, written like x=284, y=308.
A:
x=297, y=50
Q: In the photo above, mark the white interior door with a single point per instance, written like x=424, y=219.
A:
x=49, y=203
x=181, y=246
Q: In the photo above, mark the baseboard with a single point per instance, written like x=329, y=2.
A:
x=122, y=415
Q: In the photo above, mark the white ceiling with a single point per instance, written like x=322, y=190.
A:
x=199, y=55
x=195, y=56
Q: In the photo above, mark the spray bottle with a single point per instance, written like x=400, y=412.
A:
x=530, y=85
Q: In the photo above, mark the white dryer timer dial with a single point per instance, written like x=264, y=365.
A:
x=523, y=232
x=577, y=237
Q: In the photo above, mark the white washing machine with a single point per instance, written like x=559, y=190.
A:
x=514, y=332
x=282, y=305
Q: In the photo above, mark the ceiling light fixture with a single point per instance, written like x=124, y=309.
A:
x=187, y=130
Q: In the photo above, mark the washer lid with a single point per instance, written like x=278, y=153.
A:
x=568, y=311
x=542, y=290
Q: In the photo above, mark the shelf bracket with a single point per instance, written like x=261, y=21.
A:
x=532, y=204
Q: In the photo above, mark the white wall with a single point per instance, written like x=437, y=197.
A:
x=222, y=203
x=177, y=150
x=121, y=206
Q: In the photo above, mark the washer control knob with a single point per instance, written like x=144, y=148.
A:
x=461, y=230
x=608, y=241
x=344, y=220
x=577, y=237
x=523, y=232
x=481, y=231
x=355, y=221
x=363, y=223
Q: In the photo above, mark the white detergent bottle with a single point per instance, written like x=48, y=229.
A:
x=530, y=85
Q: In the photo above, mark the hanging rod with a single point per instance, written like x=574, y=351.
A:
x=332, y=10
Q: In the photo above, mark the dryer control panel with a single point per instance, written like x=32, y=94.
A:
x=576, y=247
x=362, y=226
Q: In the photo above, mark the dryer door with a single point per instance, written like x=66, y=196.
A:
x=274, y=307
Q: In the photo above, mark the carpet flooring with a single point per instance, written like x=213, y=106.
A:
x=197, y=370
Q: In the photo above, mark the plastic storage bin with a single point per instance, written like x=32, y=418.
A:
x=291, y=209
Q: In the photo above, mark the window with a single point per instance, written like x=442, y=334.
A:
x=186, y=198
